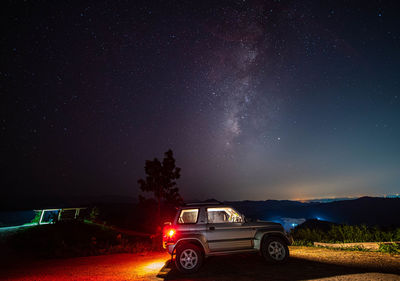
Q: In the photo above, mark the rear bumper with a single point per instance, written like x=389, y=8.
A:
x=169, y=247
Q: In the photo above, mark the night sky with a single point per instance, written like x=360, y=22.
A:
x=257, y=99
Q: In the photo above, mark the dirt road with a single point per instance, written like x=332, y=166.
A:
x=304, y=264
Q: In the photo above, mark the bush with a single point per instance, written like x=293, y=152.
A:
x=392, y=248
x=69, y=239
x=344, y=234
x=354, y=248
x=37, y=217
x=302, y=243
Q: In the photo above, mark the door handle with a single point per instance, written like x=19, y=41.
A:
x=211, y=228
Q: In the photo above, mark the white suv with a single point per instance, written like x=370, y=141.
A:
x=202, y=230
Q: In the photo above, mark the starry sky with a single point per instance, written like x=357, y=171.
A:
x=257, y=99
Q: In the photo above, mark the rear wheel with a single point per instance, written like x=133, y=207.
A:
x=189, y=258
x=275, y=250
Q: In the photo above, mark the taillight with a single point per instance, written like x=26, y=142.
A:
x=169, y=234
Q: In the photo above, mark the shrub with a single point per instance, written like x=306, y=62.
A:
x=37, y=217
x=344, y=234
x=392, y=248
x=302, y=243
x=68, y=239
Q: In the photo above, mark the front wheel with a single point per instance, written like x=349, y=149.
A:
x=189, y=258
x=275, y=250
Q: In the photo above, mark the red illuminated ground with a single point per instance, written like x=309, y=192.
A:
x=305, y=264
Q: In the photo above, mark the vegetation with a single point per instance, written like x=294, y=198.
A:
x=305, y=236
x=37, y=217
x=94, y=214
x=344, y=234
x=391, y=248
x=161, y=181
x=74, y=238
x=302, y=243
x=354, y=248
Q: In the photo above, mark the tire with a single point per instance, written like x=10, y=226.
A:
x=189, y=258
x=274, y=249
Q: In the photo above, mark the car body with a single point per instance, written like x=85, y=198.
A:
x=202, y=230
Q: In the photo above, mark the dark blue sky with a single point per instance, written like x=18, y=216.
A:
x=257, y=99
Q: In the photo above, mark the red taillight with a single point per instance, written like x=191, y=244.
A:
x=169, y=234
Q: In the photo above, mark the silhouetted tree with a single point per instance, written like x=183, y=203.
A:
x=161, y=180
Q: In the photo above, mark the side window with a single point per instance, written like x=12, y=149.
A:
x=222, y=215
x=188, y=216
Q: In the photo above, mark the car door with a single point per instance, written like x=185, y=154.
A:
x=226, y=231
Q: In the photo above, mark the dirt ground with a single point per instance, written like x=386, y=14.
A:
x=306, y=263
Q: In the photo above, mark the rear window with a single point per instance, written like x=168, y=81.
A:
x=188, y=216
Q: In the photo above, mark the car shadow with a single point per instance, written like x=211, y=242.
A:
x=253, y=267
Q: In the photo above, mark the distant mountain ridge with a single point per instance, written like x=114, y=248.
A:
x=328, y=200
x=364, y=210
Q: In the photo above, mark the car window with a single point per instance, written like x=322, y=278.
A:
x=188, y=216
x=222, y=215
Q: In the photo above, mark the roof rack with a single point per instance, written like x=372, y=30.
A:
x=213, y=202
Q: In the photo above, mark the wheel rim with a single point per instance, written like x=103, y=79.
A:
x=276, y=250
x=188, y=259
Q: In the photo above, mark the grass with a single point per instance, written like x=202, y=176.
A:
x=351, y=249
x=348, y=234
x=391, y=248
x=383, y=248
x=345, y=234
x=302, y=243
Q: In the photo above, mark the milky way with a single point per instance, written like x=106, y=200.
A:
x=235, y=74
x=257, y=99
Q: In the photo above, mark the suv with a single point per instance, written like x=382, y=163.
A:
x=202, y=230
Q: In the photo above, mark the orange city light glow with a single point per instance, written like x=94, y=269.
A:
x=171, y=233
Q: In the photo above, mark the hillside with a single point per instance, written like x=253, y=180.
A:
x=364, y=210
